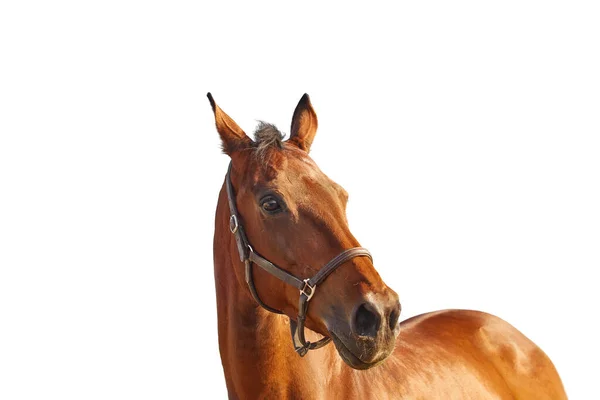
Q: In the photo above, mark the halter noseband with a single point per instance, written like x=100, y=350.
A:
x=307, y=287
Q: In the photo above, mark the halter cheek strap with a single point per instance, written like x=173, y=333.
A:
x=307, y=287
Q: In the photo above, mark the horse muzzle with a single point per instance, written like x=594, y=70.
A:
x=369, y=336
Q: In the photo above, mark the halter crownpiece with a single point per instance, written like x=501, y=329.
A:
x=307, y=287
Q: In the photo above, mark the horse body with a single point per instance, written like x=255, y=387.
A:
x=451, y=354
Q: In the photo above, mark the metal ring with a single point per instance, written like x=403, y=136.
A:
x=312, y=290
x=233, y=224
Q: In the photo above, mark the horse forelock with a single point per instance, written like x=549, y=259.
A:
x=266, y=137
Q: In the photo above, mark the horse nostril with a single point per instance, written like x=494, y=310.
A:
x=366, y=320
x=393, y=318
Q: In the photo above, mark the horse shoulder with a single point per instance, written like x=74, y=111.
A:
x=526, y=369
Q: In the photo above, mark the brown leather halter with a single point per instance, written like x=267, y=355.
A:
x=307, y=287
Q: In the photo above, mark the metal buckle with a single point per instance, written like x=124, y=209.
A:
x=312, y=290
x=233, y=224
x=303, y=350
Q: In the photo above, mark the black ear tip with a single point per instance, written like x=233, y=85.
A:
x=305, y=101
x=212, y=101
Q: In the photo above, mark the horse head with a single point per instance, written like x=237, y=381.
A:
x=294, y=218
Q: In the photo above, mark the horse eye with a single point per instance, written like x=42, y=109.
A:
x=270, y=204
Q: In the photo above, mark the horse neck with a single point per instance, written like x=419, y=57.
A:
x=255, y=345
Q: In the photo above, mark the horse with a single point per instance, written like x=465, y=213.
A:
x=285, y=260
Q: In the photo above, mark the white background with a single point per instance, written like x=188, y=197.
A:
x=467, y=134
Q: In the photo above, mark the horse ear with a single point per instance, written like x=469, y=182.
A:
x=232, y=136
x=304, y=124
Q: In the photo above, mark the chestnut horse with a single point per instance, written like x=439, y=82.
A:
x=283, y=221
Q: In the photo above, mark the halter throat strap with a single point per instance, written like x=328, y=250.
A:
x=307, y=287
